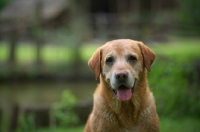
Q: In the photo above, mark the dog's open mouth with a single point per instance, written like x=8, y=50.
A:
x=124, y=93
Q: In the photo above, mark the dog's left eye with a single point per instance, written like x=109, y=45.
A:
x=109, y=60
x=132, y=58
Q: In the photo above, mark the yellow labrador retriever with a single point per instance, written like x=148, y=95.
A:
x=122, y=100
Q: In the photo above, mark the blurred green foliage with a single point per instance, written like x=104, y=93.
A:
x=3, y=3
x=26, y=123
x=59, y=129
x=174, y=81
x=189, y=15
x=63, y=111
x=183, y=124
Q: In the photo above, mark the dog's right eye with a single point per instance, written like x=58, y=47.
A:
x=109, y=60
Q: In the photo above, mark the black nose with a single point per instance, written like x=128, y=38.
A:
x=121, y=75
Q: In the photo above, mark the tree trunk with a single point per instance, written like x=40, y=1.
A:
x=13, y=45
x=37, y=32
x=79, y=30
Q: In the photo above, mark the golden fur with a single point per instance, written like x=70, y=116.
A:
x=110, y=114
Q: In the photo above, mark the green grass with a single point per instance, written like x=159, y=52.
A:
x=3, y=51
x=185, y=124
x=26, y=53
x=52, y=53
x=75, y=129
x=87, y=51
x=184, y=47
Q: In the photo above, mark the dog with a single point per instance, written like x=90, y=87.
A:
x=123, y=101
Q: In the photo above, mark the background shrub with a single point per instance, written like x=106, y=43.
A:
x=189, y=15
x=63, y=111
x=174, y=82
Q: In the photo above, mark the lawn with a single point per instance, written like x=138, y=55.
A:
x=62, y=53
x=26, y=53
x=185, y=124
x=183, y=47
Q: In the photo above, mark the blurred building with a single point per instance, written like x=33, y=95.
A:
x=104, y=19
x=22, y=15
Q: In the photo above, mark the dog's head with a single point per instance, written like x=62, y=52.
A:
x=120, y=62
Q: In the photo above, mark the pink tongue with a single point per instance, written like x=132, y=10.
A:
x=124, y=94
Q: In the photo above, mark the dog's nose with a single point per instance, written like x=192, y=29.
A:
x=121, y=75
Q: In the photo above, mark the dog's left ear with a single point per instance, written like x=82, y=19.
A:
x=148, y=55
x=95, y=62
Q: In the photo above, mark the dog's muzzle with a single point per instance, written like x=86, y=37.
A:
x=124, y=93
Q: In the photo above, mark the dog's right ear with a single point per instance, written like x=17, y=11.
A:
x=95, y=62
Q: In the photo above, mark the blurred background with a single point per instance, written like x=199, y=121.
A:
x=45, y=83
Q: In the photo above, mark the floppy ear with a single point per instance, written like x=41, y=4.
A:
x=148, y=55
x=95, y=63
